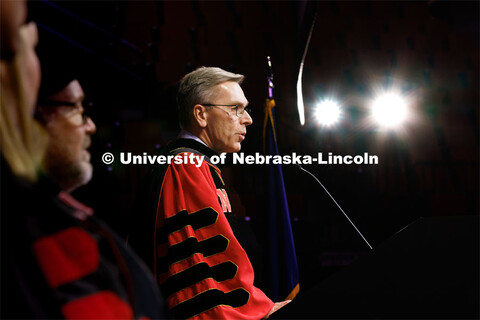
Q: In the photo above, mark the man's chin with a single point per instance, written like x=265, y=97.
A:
x=231, y=149
x=87, y=173
x=84, y=176
x=235, y=149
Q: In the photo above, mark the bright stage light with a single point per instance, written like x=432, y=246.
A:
x=327, y=112
x=389, y=109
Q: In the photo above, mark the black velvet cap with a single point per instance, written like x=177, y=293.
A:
x=57, y=62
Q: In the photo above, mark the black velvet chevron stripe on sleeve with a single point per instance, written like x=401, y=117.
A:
x=197, y=220
x=197, y=273
x=209, y=299
x=189, y=247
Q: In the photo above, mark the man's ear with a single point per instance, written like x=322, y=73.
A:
x=200, y=115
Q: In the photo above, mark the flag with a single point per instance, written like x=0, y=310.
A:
x=283, y=268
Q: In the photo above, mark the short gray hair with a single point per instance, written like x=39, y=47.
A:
x=195, y=88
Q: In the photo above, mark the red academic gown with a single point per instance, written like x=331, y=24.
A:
x=59, y=262
x=202, y=269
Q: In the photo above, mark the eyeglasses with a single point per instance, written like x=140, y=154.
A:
x=79, y=118
x=239, y=110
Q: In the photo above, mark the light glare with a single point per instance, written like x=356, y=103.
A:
x=389, y=109
x=327, y=112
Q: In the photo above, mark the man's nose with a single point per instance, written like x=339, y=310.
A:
x=246, y=118
x=90, y=126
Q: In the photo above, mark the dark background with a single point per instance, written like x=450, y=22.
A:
x=130, y=55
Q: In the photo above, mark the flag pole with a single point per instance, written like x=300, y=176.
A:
x=283, y=268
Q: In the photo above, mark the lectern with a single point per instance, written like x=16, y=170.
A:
x=428, y=270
